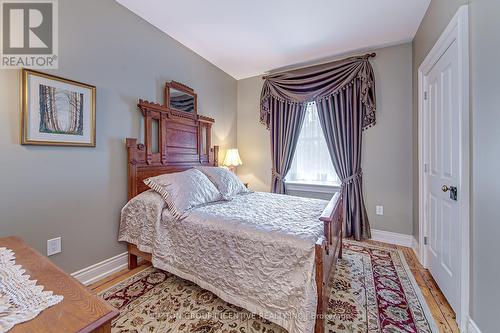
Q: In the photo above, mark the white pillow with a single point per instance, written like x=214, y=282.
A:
x=184, y=190
x=226, y=181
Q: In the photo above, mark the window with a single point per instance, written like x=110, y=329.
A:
x=312, y=163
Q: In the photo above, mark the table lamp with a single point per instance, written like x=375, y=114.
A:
x=232, y=159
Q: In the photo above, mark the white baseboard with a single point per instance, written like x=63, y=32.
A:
x=472, y=327
x=392, y=238
x=102, y=269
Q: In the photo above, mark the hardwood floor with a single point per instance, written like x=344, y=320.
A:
x=441, y=310
x=117, y=277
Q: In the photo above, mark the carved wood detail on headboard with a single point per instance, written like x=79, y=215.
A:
x=183, y=142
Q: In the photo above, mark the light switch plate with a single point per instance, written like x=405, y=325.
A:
x=53, y=246
x=379, y=210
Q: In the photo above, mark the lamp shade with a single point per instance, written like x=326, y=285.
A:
x=232, y=158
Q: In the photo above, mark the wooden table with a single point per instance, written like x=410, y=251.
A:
x=80, y=310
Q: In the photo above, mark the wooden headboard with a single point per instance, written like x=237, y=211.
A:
x=183, y=141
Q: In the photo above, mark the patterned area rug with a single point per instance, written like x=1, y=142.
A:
x=373, y=291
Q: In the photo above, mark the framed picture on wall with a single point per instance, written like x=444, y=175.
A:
x=56, y=111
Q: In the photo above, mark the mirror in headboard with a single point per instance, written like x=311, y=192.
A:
x=180, y=97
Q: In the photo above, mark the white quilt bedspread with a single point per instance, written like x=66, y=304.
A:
x=256, y=252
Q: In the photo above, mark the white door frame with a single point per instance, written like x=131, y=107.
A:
x=457, y=30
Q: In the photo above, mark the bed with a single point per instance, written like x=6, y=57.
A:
x=270, y=254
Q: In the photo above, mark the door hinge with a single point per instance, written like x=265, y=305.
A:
x=425, y=168
x=425, y=240
x=425, y=95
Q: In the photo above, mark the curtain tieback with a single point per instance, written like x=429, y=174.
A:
x=352, y=178
x=276, y=174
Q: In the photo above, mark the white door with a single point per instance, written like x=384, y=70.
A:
x=442, y=118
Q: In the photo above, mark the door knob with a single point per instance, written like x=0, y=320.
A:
x=453, y=191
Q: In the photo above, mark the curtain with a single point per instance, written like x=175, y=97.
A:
x=344, y=92
x=317, y=82
x=341, y=122
x=311, y=146
x=285, y=125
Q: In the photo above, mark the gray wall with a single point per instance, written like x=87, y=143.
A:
x=77, y=193
x=485, y=73
x=253, y=138
x=387, y=163
x=437, y=17
x=485, y=157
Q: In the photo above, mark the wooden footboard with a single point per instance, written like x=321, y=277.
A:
x=328, y=249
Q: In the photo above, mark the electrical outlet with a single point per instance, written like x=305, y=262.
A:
x=379, y=210
x=53, y=246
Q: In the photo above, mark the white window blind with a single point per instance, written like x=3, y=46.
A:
x=312, y=163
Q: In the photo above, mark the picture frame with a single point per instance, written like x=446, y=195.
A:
x=56, y=111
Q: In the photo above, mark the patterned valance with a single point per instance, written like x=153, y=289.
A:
x=318, y=82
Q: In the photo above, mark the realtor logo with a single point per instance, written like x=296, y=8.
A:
x=28, y=34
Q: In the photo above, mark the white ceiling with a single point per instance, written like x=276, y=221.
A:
x=250, y=37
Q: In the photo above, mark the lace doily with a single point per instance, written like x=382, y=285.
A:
x=21, y=299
